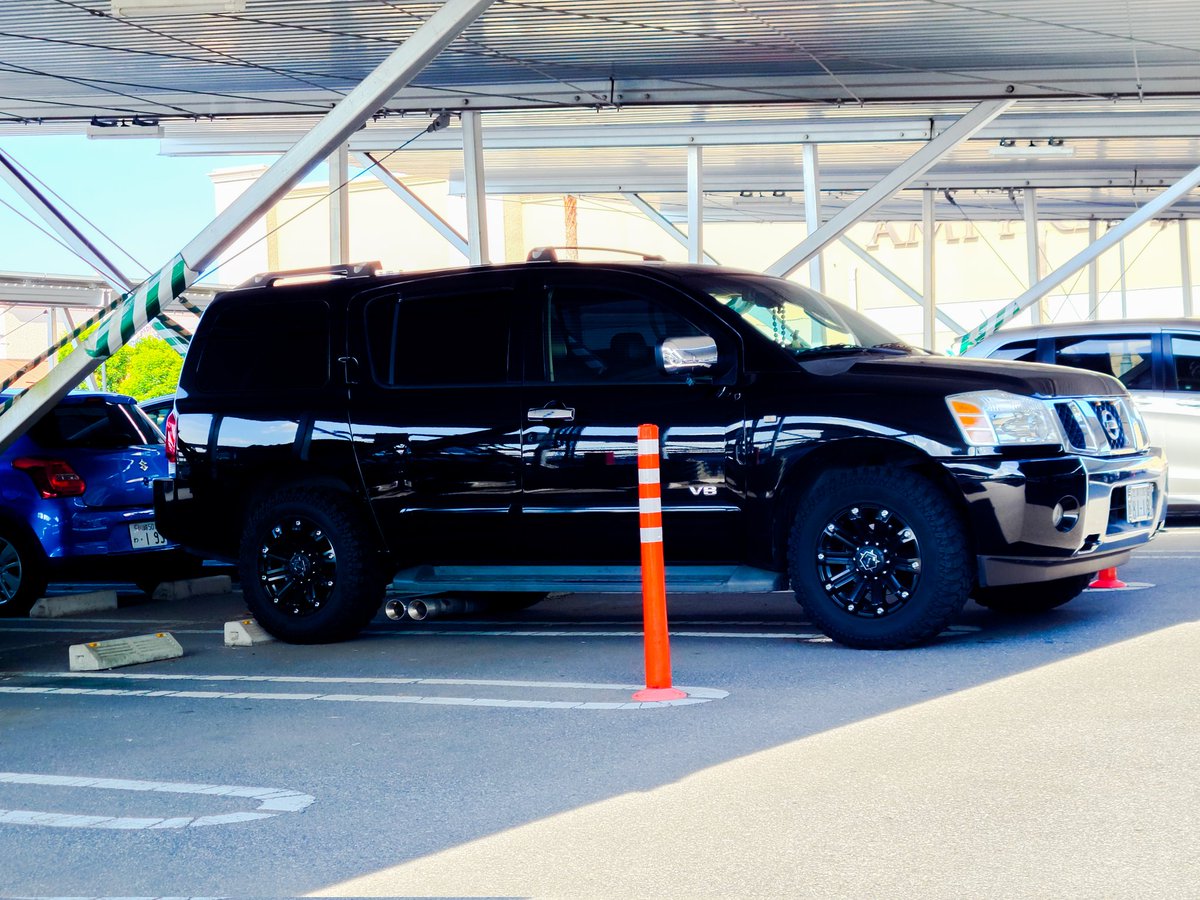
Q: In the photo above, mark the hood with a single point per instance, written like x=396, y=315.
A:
x=951, y=374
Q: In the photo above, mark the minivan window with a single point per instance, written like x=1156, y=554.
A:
x=1126, y=357
x=1187, y=362
x=1018, y=351
x=440, y=339
x=264, y=347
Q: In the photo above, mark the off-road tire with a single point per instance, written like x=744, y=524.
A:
x=23, y=572
x=1031, y=599
x=310, y=568
x=892, y=499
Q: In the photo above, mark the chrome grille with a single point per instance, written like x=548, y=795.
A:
x=1100, y=425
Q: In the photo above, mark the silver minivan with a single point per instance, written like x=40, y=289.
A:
x=1158, y=360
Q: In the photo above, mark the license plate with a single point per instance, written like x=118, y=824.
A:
x=1139, y=502
x=144, y=534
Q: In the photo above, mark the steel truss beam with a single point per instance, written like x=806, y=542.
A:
x=665, y=224
x=916, y=165
x=1113, y=236
x=330, y=132
x=382, y=174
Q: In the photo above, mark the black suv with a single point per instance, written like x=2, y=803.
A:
x=475, y=430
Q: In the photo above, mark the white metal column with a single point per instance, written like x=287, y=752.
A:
x=812, y=212
x=929, y=300
x=396, y=71
x=1185, y=267
x=339, y=206
x=1031, y=251
x=695, y=204
x=1093, y=273
x=477, y=231
x=913, y=167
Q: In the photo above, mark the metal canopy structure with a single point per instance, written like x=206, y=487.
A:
x=992, y=109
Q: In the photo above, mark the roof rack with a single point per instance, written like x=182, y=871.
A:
x=548, y=254
x=345, y=270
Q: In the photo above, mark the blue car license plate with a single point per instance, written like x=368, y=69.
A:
x=144, y=534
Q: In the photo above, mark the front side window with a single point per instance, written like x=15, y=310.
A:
x=801, y=321
x=1126, y=357
x=439, y=339
x=1187, y=362
x=606, y=335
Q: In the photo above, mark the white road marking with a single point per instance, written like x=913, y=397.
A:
x=273, y=800
x=695, y=694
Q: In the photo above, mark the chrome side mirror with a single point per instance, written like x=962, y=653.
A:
x=687, y=354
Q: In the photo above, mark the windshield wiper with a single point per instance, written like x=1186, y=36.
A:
x=833, y=349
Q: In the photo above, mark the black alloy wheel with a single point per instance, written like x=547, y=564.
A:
x=297, y=565
x=310, y=564
x=878, y=556
x=22, y=573
x=869, y=560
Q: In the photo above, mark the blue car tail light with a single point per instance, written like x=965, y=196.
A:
x=52, y=477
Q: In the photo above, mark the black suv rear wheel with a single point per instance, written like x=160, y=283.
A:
x=309, y=567
x=878, y=557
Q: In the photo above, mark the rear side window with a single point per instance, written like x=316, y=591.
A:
x=264, y=347
x=440, y=339
x=94, y=424
x=1018, y=351
x=1187, y=362
x=1126, y=357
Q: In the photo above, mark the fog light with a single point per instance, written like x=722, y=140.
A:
x=1065, y=515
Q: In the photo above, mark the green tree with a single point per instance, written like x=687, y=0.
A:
x=148, y=368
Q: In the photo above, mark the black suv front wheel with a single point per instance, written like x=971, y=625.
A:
x=309, y=566
x=878, y=557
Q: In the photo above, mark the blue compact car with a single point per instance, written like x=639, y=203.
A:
x=76, y=501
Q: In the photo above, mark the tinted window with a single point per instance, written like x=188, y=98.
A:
x=596, y=334
x=94, y=424
x=262, y=347
x=1125, y=357
x=1187, y=362
x=439, y=339
x=1018, y=351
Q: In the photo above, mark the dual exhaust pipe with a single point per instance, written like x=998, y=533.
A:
x=421, y=608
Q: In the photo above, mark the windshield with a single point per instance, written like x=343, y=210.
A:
x=796, y=318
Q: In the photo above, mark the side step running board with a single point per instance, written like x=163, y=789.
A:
x=586, y=579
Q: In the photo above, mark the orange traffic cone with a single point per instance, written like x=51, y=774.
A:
x=1107, y=578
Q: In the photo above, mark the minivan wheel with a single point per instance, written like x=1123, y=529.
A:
x=22, y=573
x=309, y=569
x=878, y=557
x=1030, y=599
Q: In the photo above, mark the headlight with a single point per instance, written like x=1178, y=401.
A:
x=994, y=418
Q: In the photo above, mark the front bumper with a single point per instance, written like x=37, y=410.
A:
x=1012, y=506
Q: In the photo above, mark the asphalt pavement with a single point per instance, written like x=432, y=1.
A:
x=493, y=755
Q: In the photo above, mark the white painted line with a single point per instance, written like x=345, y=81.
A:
x=1129, y=586
x=272, y=800
x=695, y=694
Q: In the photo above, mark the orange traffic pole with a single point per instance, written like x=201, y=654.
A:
x=654, y=582
x=1107, y=578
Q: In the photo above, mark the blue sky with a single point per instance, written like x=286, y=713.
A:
x=148, y=205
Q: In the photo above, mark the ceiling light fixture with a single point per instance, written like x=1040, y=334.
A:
x=133, y=8
x=1052, y=147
